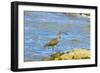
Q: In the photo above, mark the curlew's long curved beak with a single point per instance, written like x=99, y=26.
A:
x=65, y=33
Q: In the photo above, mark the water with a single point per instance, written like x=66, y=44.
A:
x=40, y=27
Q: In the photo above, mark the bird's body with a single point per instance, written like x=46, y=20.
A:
x=53, y=42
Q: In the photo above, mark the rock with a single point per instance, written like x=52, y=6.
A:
x=76, y=54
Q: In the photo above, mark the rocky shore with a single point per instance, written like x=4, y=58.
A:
x=77, y=53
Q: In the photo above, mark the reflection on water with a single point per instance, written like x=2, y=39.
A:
x=40, y=27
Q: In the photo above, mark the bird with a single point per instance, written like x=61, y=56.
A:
x=53, y=42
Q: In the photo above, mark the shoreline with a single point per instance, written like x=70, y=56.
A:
x=74, y=54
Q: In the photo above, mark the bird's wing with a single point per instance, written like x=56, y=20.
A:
x=53, y=41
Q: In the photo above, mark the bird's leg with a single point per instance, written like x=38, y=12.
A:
x=53, y=48
x=58, y=46
x=57, y=49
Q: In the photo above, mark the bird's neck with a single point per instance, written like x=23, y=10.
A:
x=59, y=37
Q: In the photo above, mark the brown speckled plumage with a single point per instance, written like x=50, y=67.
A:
x=54, y=41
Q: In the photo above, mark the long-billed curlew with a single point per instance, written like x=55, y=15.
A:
x=53, y=42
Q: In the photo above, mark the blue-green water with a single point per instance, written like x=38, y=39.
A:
x=40, y=27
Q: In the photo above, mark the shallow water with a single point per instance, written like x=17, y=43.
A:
x=40, y=27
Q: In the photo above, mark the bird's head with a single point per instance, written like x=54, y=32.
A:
x=59, y=34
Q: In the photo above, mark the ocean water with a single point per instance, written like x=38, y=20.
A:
x=40, y=27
